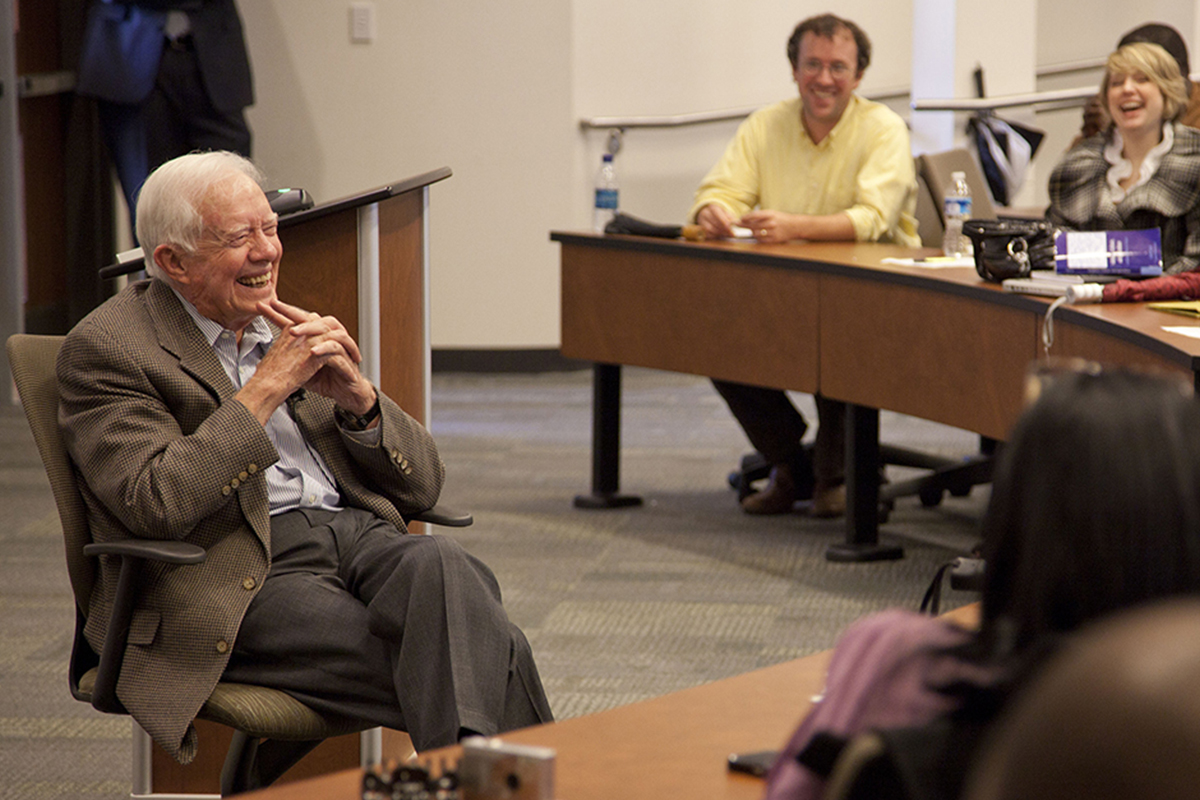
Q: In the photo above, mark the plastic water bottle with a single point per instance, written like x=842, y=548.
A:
x=957, y=210
x=606, y=194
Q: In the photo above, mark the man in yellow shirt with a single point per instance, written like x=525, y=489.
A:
x=825, y=166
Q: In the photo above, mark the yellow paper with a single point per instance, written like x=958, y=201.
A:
x=1188, y=308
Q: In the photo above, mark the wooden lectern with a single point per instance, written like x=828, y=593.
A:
x=365, y=260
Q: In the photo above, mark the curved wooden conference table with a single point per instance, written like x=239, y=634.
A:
x=672, y=746
x=936, y=343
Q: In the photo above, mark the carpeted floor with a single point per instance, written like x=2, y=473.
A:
x=619, y=605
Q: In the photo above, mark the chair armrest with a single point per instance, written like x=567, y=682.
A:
x=171, y=552
x=132, y=553
x=444, y=516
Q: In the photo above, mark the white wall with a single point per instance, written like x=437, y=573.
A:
x=495, y=92
x=483, y=88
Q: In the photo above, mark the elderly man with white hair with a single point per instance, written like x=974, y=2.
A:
x=198, y=406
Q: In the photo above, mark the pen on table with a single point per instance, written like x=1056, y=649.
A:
x=934, y=259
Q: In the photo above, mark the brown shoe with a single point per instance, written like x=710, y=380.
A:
x=777, y=498
x=829, y=501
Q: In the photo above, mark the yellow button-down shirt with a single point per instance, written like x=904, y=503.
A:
x=864, y=167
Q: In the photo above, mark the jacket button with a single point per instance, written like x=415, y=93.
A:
x=225, y=490
x=222, y=646
x=243, y=476
x=235, y=483
x=249, y=583
x=252, y=468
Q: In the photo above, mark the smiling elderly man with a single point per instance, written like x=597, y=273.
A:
x=197, y=406
x=825, y=166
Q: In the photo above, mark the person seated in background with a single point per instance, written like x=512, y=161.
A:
x=1115, y=715
x=1096, y=118
x=830, y=166
x=1095, y=508
x=1143, y=171
x=197, y=406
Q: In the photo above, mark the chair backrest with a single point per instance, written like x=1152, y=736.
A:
x=936, y=168
x=31, y=359
x=928, y=213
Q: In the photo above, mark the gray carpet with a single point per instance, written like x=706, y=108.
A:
x=619, y=605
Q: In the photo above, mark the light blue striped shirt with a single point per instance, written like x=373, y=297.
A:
x=300, y=478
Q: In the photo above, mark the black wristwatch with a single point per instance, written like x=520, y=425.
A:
x=356, y=422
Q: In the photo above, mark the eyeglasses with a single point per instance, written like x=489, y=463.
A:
x=814, y=67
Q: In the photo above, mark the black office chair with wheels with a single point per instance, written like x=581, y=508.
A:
x=272, y=730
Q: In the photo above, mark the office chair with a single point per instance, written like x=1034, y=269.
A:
x=929, y=210
x=272, y=730
x=934, y=170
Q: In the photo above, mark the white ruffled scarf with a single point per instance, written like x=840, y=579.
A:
x=1122, y=167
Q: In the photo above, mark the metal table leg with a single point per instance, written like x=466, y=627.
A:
x=606, y=442
x=862, y=491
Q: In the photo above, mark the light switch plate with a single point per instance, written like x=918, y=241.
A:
x=362, y=23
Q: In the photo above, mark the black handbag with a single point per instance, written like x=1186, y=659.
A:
x=1010, y=248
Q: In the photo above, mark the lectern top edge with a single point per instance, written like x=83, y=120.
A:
x=366, y=197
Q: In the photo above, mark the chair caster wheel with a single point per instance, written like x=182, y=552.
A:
x=930, y=497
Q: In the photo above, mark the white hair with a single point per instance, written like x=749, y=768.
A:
x=168, y=204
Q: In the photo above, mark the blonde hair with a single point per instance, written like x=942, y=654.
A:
x=1156, y=64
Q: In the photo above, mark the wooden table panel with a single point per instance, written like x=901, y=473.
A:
x=741, y=322
x=402, y=323
x=319, y=265
x=925, y=352
x=1128, y=334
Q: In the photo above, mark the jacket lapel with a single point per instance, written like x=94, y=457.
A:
x=178, y=335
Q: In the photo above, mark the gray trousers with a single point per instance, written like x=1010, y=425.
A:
x=360, y=621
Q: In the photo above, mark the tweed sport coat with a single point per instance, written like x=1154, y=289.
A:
x=1169, y=201
x=164, y=453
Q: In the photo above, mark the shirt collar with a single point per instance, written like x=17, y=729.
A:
x=257, y=332
x=838, y=126
x=1122, y=168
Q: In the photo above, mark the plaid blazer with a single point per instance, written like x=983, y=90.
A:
x=164, y=455
x=1169, y=201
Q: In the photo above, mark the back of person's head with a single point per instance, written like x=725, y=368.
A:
x=1095, y=506
x=1156, y=64
x=1113, y=715
x=169, y=202
x=1165, y=37
x=826, y=26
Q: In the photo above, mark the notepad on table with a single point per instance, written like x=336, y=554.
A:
x=1188, y=308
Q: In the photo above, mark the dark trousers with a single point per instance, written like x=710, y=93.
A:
x=775, y=427
x=360, y=621
x=177, y=118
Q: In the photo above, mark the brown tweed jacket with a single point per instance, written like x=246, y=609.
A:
x=164, y=453
x=1169, y=201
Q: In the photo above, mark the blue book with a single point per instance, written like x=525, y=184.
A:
x=1136, y=253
